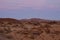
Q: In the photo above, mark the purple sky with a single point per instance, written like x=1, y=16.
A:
x=46, y=9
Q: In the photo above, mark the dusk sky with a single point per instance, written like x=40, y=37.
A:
x=21, y=9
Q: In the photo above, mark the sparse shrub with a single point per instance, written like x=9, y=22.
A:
x=9, y=37
x=7, y=30
x=34, y=23
x=1, y=31
x=46, y=28
x=52, y=22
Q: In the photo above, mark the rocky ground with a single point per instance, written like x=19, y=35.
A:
x=29, y=29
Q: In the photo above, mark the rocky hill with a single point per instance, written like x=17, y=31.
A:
x=29, y=29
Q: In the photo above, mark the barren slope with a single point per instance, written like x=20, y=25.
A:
x=29, y=29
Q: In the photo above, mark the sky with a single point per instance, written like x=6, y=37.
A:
x=22, y=9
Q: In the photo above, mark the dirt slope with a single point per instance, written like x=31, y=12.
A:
x=29, y=29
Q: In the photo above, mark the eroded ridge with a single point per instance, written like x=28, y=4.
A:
x=30, y=29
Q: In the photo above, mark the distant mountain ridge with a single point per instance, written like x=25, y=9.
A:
x=36, y=19
x=32, y=19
